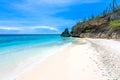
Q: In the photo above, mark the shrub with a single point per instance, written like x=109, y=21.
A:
x=118, y=8
x=115, y=24
x=90, y=30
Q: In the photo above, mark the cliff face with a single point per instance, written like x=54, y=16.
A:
x=106, y=25
x=91, y=26
x=97, y=27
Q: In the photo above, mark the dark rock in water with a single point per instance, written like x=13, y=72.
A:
x=66, y=33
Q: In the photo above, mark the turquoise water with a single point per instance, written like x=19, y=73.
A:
x=17, y=49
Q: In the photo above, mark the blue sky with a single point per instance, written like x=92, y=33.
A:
x=45, y=16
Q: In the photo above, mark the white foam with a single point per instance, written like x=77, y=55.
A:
x=32, y=61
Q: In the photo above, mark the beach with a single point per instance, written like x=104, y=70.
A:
x=84, y=59
x=59, y=40
x=19, y=52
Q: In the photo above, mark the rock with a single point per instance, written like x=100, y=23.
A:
x=114, y=36
x=82, y=35
x=97, y=27
x=88, y=35
x=118, y=34
x=66, y=33
x=98, y=35
x=103, y=35
x=115, y=16
x=92, y=26
x=93, y=35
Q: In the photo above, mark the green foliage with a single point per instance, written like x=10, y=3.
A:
x=98, y=17
x=90, y=31
x=118, y=8
x=92, y=17
x=78, y=24
x=115, y=24
x=106, y=11
x=111, y=9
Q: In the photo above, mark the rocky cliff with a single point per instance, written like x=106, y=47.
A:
x=99, y=27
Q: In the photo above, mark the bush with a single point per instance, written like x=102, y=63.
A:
x=118, y=8
x=115, y=24
x=90, y=31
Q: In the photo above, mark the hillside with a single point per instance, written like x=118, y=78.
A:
x=106, y=25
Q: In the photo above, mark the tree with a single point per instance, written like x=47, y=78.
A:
x=92, y=16
x=113, y=6
x=106, y=11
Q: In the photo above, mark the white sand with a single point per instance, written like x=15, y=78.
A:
x=109, y=56
x=80, y=61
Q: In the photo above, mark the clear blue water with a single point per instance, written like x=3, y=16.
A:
x=15, y=49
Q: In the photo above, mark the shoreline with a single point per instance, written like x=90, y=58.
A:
x=61, y=66
x=29, y=63
x=79, y=61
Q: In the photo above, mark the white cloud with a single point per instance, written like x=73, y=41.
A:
x=27, y=28
x=10, y=28
x=45, y=27
x=40, y=12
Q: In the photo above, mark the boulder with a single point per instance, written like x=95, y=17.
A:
x=88, y=35
x=66, y=33
x=115, y=16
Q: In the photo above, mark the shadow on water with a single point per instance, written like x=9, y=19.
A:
x=75, y=41
x=79, y=42
x=67, y=39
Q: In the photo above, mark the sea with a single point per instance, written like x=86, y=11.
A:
x=19, y=52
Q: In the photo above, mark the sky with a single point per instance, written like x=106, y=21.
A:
x=46, y=16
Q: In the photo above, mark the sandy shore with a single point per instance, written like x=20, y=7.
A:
x=83, y=60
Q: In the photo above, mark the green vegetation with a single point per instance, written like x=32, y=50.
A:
x=98, y=17
x=90, y=31
x=118, y=8
x=113, y=7
x=100, y=23
x=115, y=24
